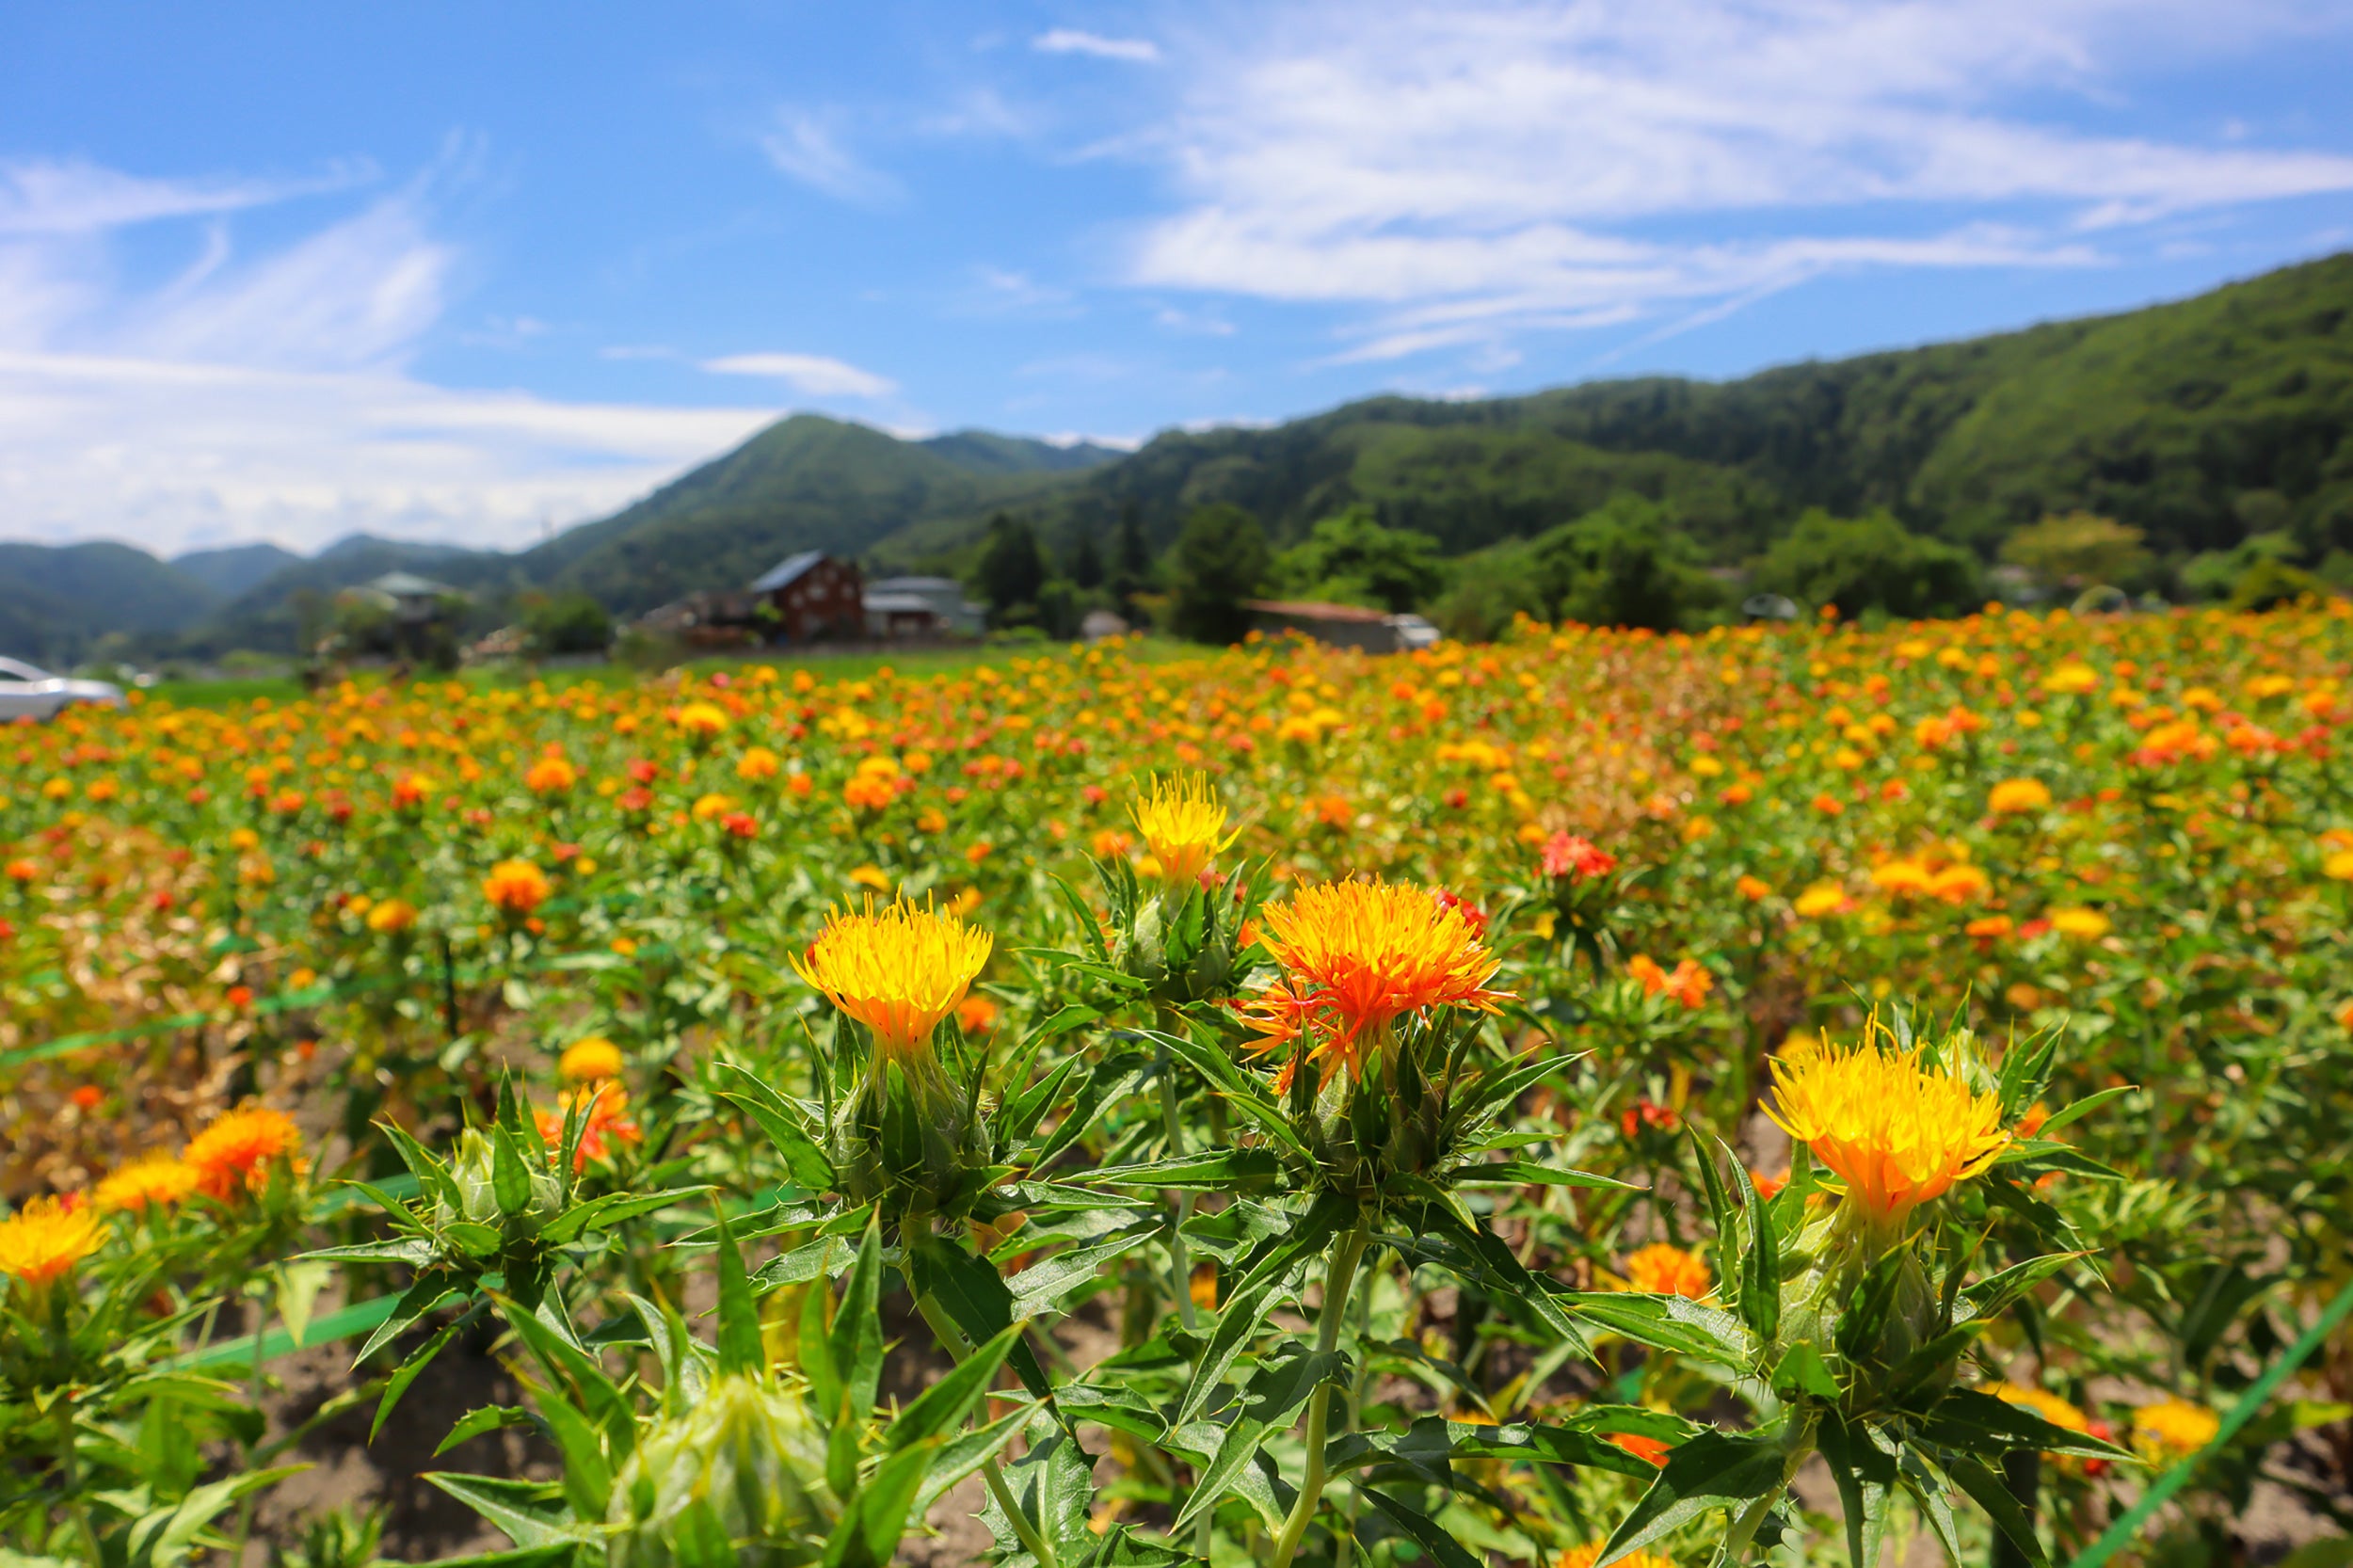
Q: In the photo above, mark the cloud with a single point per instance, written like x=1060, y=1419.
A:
x=807, y=146
x=45, y=195
x=811, y=374
x=264, y=393
x=1466, y=172
x=178, y=456
x=1070, y=40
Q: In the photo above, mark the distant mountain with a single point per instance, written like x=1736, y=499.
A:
x=230, y=572
x=986, y=452
x=805, y=483
x=2200, y=421
x=56, y=601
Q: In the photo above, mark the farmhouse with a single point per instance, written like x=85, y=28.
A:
x=809, y=596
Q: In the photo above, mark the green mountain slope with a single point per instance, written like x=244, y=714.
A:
x=235, y=569
x=806, y=483
x=56, y=601
x=2198, y=422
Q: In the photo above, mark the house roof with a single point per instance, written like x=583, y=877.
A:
x=1308, y=609
x=917, y=586
x=787, y=572
x=402, y=584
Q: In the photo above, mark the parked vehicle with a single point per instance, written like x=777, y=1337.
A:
x=28, y=692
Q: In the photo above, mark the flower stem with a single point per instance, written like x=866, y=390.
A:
x=1337, y=1279
x=953, y=1340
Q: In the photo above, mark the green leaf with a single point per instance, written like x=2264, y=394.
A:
x=1760, y=1270
x=489, y=1418
x=1110, y=1082
x=425, y=1293
x=781, y=1120
x=1421, y=1529
x=510, y=1177
x=1218, y=1170
x=1990, y=1494
x=2084, y=1107
x=410, y=1370
x=855, y=1345
x=531, y=1512
x=870, y=1527
x=1802, y=1371
x=1973, y=1422
x=588, y=1472
x=944, y=1405
x=1017, y=1115
x=1864, y=1475
x=973, y=1295
x=739, y=1349
x=1668, y=1323
x=1526, y=1172
x=604, y=1212
x=1711, y=1471
x=1261, y=1286
x=1039, y=1286
x=164, y=1537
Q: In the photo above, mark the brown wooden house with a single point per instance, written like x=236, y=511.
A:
x=810, y=595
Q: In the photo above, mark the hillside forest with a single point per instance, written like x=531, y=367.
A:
x=2200, y=450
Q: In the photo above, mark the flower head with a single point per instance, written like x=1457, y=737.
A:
x=701, y=720
x=1896, y=1133
x=1359, y=955
x=2015, y=796
x=590, y=1058
x=606, y=1118
x=45, y=1238
x=1661, y=1270
x=1182, y=822
x=153, y=1181
x=551, y=775
x=391, y=917
x=2043, y=1403
x=2085, y=924
x=1688, y=983
x=515, y=886
x=1566, y=855
x=1588, y=1554
x=2173, y=1429
x=233, y=1154
x=897, y=970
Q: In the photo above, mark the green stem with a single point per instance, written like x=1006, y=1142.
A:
x=75, y=1507
x=951, y=1339
x=1336, y=1281
x=1177, y=1258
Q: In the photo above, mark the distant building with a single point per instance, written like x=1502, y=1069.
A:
x=414, y=601
x=1340, y=625
x=921, y=606
x=812, y=595
x=705, y=619
x=1098, y=624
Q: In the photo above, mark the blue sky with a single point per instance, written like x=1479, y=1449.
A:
x=282, y=271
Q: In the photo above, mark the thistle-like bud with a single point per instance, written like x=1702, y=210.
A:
x=474, y=1173
x=900, y=971
x=739, y=1477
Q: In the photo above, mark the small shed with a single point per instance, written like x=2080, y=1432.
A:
x=950, y=610
x=415, y=600
x=812, y=595
x=1339, y=625
x=890, y=615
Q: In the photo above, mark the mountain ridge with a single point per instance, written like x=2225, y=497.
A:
x=2201, y=421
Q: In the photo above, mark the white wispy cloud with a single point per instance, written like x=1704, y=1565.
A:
x=811, y=374
x=53, y=196
x=267, y=395
x=1071, y=41
x=807, y=145
x=1491, y=167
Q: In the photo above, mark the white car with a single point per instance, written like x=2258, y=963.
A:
x=28, y=692
x=1414, y=633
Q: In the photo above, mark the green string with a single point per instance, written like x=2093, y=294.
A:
x=2249, y=1405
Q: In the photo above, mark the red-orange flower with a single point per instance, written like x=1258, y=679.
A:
x=233, y=1154
x=1566, y=855
x=1356, y=956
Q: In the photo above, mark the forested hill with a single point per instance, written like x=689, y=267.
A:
x=2197, y=422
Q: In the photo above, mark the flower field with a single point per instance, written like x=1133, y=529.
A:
x=1767, y=1095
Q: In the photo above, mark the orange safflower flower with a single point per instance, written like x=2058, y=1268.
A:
x=1896, y=1133
x=1662, y=1269
x=1689, y=983
x=897, y=970
x=42, y=1242
x=153, y=1181
x=233, y=1154
x=1356, y=956
x=515, y=886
